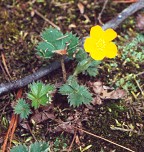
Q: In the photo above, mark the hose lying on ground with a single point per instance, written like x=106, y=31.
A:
x=114, y=23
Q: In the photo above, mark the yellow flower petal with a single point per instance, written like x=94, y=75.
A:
x=109, y=35
x=111, y=50
x=96, y=32
x=89, y=44
x=97, y=55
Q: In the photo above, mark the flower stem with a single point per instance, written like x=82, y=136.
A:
x=63, y=69
x=82, y=66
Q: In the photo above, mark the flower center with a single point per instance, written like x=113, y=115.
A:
x=100, y=44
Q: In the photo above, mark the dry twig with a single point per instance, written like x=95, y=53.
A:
x=4, y=72
x=104, y=139
x=47, y=20
x=100, y=14
x=70, y=147
x=125, y=1
x=5, y=65
x=12, y=127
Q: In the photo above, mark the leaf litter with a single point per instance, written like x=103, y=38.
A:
x=102, y=92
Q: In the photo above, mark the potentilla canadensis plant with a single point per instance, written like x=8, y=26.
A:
x=97, y=46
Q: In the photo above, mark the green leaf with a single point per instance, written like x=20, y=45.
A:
x=73, y=42
x=39, y=147
x=40, y=101
x=68, y=88
x=72, y=81
x=53, y=35
x=81, y=55
x=35, y=147
x=82, y=66
x=22, y=108
x=45, y=49
x=92, y=70
x=46, y=88
x=65, y=89
x=77, y=95
x=80, y=96
x=54, y=40
x=20, y=148
x=40, y=94
x=133, y=51
x=40, y=1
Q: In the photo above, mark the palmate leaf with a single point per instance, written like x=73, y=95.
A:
x=40, y=94
x=92, y=70
x=39, y=147
x=73, y=42
x=77, y=95
x=54, y=37
x=45, y=49
x=22, y=108
x=88, y=68
x=35, y=147
x=81, y=55
x=20, y=148
x=54, y=40
x=66, y=89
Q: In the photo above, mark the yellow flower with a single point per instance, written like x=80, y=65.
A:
x=99, y=43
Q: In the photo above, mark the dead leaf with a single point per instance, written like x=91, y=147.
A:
x=1, y=139
x=32, y=13
x=97, y=87
x=140, y=21
x=81, y=7
x=24, y=125
x=117, y=94
x=87, y=18
x=61, y=52
x=72, y=26
x=68, y=126
x=64, y=126
x=105, y=92
x=47, y=108
x=77, y=141
x=42, y=116
x=1, y=46
x=97, y=101
x=45, y=114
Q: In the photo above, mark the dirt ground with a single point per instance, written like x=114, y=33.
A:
x=121, y=121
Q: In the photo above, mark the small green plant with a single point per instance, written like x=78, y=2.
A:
x=55, y=42
x=22, y=108
x=127, y=83
x=132, y=57
x=39, y=94
x=125, y=127
x=35, y=147
x=59, y=144
x=98, y=44
x=133, y=51
x=77, y=95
